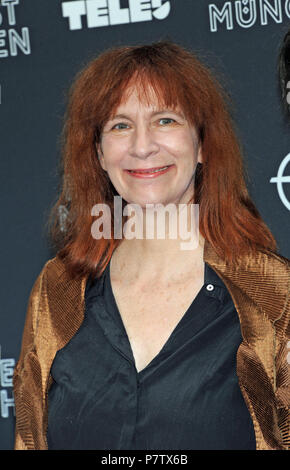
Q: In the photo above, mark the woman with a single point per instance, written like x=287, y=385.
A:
x=135, y=343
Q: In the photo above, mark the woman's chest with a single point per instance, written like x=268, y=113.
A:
x=151, y=312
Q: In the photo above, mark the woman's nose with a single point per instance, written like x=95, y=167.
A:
x=143, y=143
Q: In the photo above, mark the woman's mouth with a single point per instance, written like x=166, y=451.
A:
x=149, y=172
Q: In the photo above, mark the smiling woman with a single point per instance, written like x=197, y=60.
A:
x=135, y=343
x=149, y=143
x=175, y=80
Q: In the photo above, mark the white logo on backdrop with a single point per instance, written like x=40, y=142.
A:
x=109, y=12
x=280, y=179
x=246, y=13
x=6, y=374
x=288, y=92
x=11, y=40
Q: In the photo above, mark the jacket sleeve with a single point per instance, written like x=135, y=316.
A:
x=27, y=382
x=283, y=393
x=283, y=373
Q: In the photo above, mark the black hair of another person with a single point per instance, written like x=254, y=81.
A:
x=284, y=69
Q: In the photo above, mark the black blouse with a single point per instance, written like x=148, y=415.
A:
x=187, y=397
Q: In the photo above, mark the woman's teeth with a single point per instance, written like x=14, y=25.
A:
x=149, y=171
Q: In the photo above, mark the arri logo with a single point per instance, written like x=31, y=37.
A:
x=246, y=13
x=280, y=179
x=110, y=12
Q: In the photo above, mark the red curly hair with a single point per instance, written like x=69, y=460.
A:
x=229, y=220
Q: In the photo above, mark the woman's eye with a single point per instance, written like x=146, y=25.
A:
x=120, y=125
x=166, y=120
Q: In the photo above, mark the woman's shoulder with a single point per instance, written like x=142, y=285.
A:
x=55, y=271
x=267, y=283
x=56, y=301
x=276, y=258
x=274, y=272
x=53, y=268
x=270, y=270
x=259, y=270
x=55, y=292
x=261, y=279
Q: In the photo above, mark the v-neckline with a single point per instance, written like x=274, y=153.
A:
x=108, y=290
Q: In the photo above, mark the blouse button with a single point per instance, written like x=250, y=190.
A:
x=209, y=287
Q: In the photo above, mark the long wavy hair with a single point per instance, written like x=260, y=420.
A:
x=229, y=220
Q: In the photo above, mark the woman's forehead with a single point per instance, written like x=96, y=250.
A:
x=147, y=96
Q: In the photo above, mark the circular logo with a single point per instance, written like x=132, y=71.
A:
x=280, y=179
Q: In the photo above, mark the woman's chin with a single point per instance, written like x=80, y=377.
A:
x=147, y=203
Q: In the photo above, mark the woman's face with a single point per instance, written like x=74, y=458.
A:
x=144, y=137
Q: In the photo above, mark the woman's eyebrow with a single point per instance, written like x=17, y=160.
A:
x=119, y=116
x=153, y=113
x=165, y=111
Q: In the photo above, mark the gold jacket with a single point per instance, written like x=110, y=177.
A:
x=259, y=286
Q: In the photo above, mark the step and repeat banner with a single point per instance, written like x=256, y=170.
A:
x=44, y=43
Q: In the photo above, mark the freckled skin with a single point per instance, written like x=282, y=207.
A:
x=154, y=314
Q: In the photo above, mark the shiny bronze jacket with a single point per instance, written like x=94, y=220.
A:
x=259, y=285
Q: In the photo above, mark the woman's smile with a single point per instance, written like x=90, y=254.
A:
x=150, y=173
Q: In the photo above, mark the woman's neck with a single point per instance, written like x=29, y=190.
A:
x=157, y=260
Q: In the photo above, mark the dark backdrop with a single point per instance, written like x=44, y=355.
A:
x=44, y=43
